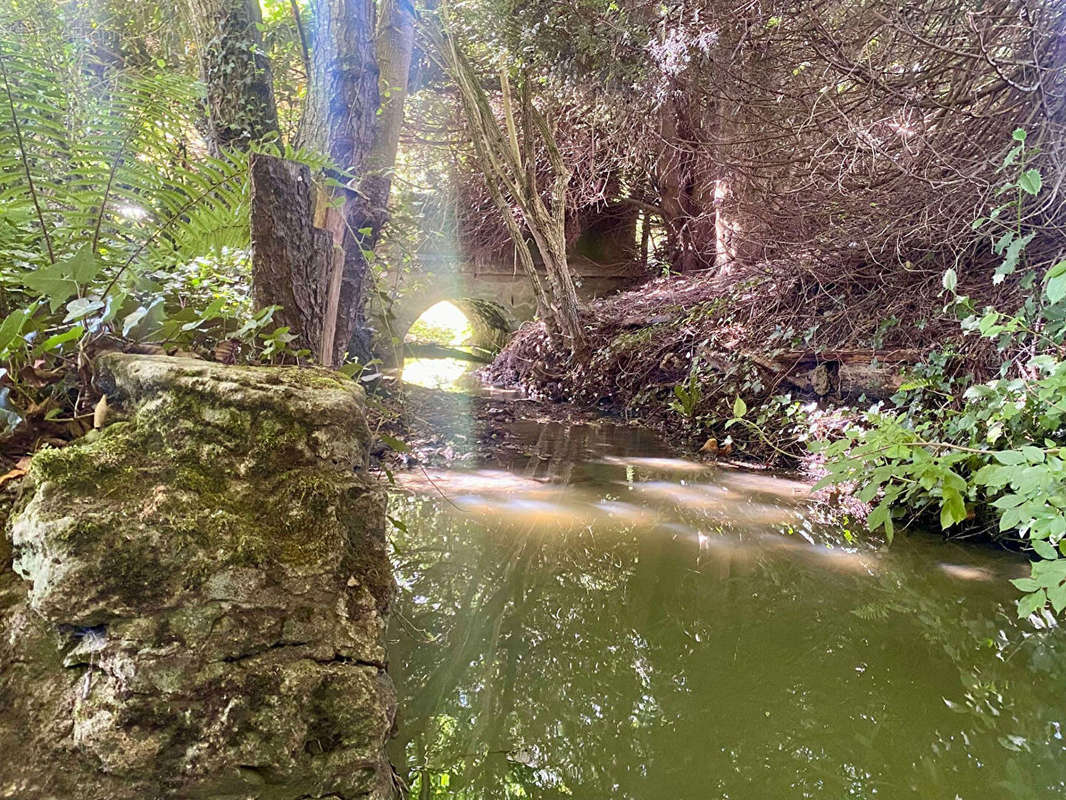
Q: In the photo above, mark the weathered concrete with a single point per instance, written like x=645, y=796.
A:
x=203, y=596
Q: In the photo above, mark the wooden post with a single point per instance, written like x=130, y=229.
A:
x=334, y=225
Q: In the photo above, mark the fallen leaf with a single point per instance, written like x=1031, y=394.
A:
x=11, y=475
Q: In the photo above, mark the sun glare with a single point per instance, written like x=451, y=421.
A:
x=443, y=323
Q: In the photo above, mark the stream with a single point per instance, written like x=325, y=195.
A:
x=593, y=618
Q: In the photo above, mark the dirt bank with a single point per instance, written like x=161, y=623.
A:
x=677, y=352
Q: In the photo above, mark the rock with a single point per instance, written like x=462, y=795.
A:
x=204, y=595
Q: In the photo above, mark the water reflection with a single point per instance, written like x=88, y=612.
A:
x=582, y=623
x=446, y=374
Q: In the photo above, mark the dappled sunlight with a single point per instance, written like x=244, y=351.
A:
x=583, y=478
x=652, y=464
x=511, y=334
x=763, y=483
x=454, y=481
x=586, y=591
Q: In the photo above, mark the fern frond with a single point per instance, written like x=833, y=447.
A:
x=110, y=158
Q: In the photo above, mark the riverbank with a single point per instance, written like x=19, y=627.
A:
x=677, y=353
x=893, y=400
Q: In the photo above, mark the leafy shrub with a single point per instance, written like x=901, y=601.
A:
x=981, y=454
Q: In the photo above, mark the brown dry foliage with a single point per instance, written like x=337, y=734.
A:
x=867, y=136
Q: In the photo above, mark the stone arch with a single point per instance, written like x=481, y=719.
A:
x=492, y=291
x=492, y=322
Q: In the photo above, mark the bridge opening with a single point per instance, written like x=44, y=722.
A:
x=443, y=324
x=444, y=346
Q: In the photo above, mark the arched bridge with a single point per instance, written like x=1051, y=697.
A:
x=493, y=292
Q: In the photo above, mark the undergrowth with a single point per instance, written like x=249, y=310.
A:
x=981, y=457
x=112, y=232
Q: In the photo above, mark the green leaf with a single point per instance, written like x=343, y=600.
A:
x=1057, y=596
x=13, y=324
x=61, y=281
x=1012, y=156
x=1030, y=181
x=952, y=508
x=53, y=342
x=950, y=280
x=350, y=369
x=740, y=408
x=10, y=417
x=1026, y=584
x=1001, y=243
x=880, y=516
x=1008, y=501
x=395, y=444
x=208, y=314
x=52, y=284
x=1049, y=573
x=132, y=319
x=81, y=307
x=1030, y=603
x=1043, y=549
x=1058, y=269
x=1056, y=288
x=84, y=266
x=1009, y=458
x=1018, y=135
x=1011, y=256
x=1033, y=455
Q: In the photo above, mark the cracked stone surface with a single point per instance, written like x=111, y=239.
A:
x=193, y=600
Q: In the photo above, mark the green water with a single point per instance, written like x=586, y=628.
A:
x=592, y=619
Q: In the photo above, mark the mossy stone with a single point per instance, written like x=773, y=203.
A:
x=213, y=567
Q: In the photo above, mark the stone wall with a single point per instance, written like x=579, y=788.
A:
x=196, y=596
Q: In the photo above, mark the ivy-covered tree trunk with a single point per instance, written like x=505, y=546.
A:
x=236, y=71
x=343, y=109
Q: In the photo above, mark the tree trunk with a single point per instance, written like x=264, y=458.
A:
x=344, y=107
x=294, y=263
x=394, y=44
x=344, y=89
x=547, y=223
x=236, y=71
x=686, y=197
x=510, y=174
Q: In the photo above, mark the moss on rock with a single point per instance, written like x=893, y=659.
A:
x=215, y=565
